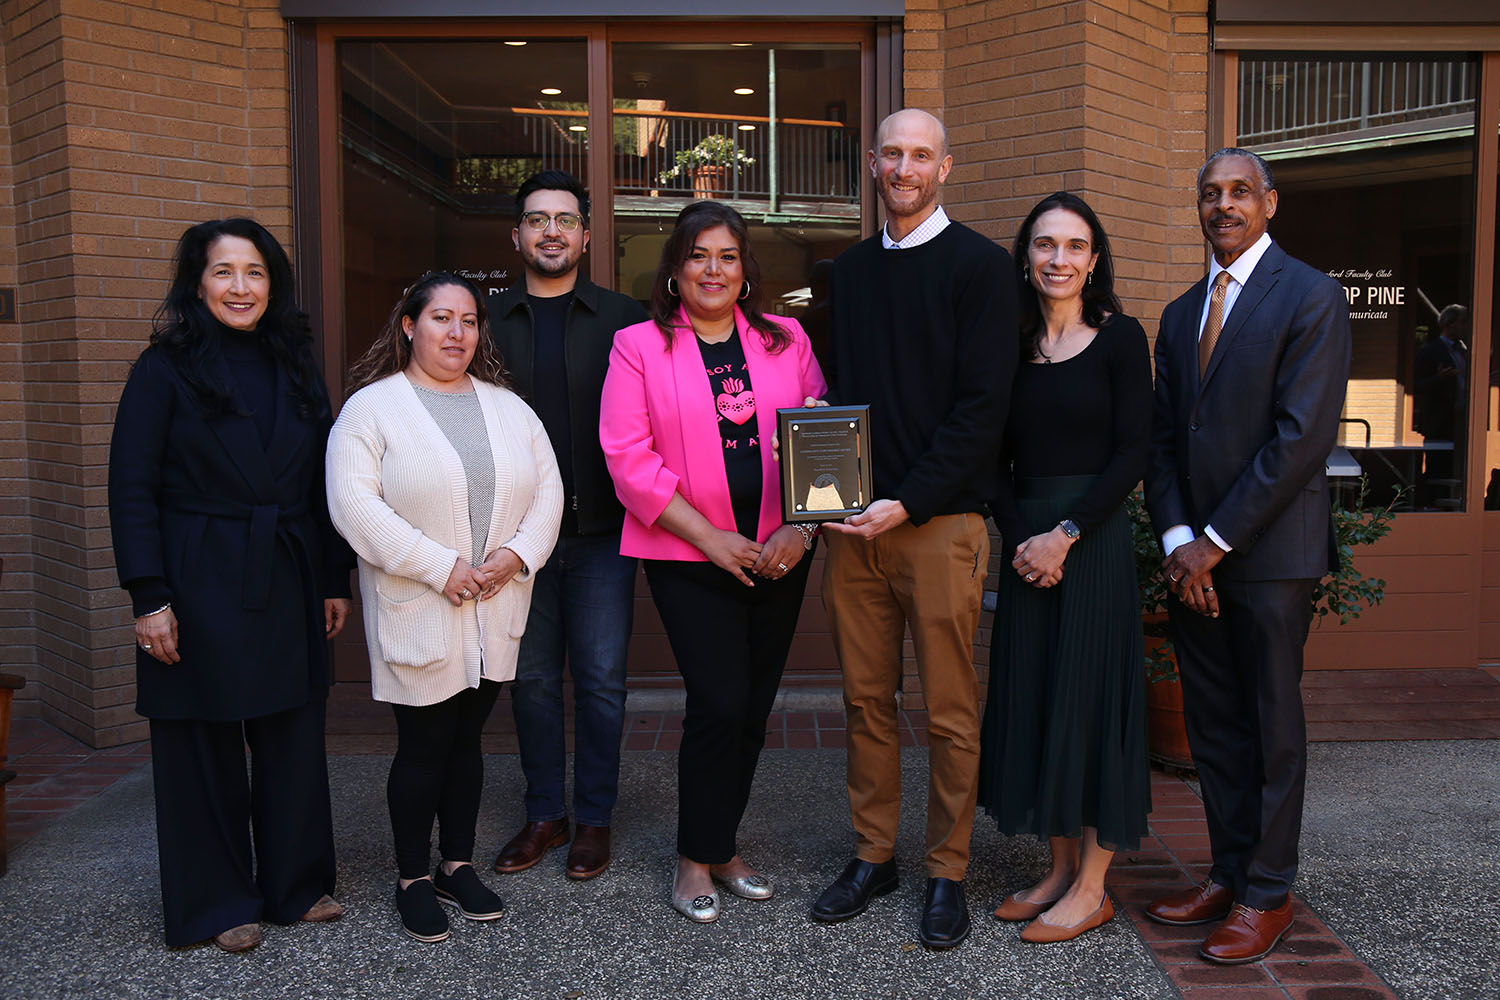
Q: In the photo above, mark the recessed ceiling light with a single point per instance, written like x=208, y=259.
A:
x=515, y=43
x=747, y=128
x=578, y=128
x=744, y=91
x=551, y=91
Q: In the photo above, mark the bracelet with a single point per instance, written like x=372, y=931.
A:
x=808, y=533
x=152, y=614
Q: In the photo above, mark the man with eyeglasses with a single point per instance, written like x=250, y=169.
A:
x=554, y=330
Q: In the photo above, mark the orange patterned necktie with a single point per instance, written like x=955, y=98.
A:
x=1214, y=324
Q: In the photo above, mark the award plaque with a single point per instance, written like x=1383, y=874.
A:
x=825, y=462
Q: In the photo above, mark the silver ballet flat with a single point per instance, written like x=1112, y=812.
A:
x=699, y=909
x=747, y=886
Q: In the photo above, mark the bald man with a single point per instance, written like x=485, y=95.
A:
x=923, y=321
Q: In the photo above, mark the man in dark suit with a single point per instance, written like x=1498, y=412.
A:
x=1251, y=365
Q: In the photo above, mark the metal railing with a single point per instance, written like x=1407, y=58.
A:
x=1282, y=99
x=661, y=153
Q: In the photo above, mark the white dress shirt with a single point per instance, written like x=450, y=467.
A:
x=1239, y=273
x=930, y=227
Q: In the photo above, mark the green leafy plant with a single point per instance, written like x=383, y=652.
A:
x=1346, y=593
x=715, y=150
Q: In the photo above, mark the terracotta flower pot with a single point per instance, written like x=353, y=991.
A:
x=1166, y=730
x=707, y=180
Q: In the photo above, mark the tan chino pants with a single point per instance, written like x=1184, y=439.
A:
x=932, y=578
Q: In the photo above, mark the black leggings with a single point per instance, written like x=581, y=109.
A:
x=438, y=772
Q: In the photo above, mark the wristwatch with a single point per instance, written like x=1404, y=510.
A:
x=1070, y=528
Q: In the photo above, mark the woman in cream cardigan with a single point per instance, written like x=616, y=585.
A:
x=444, y=483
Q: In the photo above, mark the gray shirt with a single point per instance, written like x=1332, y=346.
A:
x=461, y=420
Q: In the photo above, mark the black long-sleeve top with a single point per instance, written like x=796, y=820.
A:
x=1087, y=416
x=927, y=337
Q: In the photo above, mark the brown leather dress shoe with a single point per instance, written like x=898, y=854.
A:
x=527, y=847
x=1248, y=935
x=1203, y=903
x=589, y=854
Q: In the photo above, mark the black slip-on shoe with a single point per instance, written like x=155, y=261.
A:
x=851, y=892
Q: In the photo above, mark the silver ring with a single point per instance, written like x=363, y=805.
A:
x=146, y=646
x=1030, y=577
x=1208, y=590
x=465, y=593
x=781, y=566
x=1175, y=578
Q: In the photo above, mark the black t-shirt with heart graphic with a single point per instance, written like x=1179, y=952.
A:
x=734, y=399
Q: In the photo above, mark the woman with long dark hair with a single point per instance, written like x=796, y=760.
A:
x=445, y=484
x=237, y=581
x=686, y=422
x=1063, y=751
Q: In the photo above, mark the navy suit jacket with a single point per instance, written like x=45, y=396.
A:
x=1244, y=448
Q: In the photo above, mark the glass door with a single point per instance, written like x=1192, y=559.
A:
x=435, y=136
x=771, y=128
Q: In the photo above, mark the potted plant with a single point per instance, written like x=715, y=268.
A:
x=1346, y=593
x=706, y=162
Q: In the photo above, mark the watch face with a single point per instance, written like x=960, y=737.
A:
x=1070, y=528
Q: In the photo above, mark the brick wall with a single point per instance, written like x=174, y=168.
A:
x=15, y=543
x=128, y=121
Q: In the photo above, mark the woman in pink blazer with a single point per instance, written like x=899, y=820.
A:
x=687, y=418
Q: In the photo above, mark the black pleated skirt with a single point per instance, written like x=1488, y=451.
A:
x=1064, y=735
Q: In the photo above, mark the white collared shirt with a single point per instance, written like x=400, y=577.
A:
x=1239, y=273
x=930, y=227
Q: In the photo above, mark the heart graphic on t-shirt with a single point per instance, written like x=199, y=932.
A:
x=736, y=402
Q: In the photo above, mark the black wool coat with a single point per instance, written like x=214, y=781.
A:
x=239, y=532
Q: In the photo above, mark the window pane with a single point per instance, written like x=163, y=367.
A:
x=694, y=120
x=1374, y=163
x=435, y=138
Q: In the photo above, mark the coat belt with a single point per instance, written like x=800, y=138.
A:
x=267, y=522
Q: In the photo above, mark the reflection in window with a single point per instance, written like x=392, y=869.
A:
x=435, y=138
x=1374, y=161
x=773, y=129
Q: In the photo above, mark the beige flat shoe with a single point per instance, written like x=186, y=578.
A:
x=1016, y=909
x=1040, y=931
x=325, y=909
x=241, y=938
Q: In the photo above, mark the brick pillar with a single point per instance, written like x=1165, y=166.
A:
x=125, y=126
x=1104, y=98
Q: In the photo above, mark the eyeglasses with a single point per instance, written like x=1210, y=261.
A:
x=567, y=222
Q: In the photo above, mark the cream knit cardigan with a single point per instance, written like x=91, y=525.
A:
x=397, y=491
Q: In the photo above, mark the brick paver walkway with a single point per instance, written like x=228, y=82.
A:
x=56, y=773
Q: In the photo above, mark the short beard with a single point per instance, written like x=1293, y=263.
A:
x=917, y=209
x=550, y=266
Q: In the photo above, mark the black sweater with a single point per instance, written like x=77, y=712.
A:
x=927, y=337
x=1087, y=416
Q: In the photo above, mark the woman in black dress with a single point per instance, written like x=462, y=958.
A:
x=222, y=538
x=1064, y=749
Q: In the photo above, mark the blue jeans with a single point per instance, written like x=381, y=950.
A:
x=582, y=605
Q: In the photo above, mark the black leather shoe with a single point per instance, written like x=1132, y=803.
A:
x=945, y=915
x=852, y=891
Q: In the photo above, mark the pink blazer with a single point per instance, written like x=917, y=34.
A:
x=659, y=427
